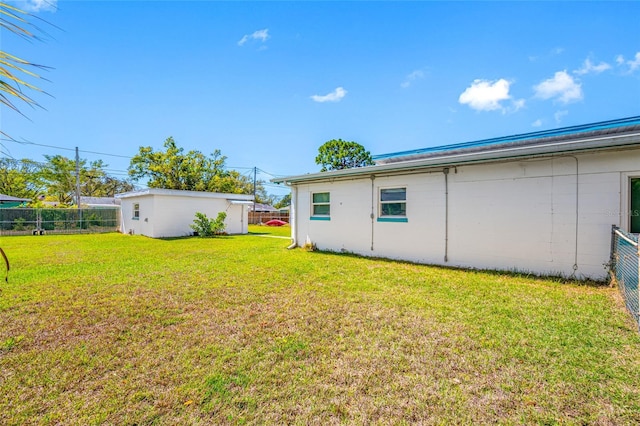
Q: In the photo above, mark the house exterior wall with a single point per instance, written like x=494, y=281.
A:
x=163, y=215
x=519, y=215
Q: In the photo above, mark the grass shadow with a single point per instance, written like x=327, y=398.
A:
x=514, y=273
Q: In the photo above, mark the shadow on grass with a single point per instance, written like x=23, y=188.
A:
x=514, y=273
x=195, y=237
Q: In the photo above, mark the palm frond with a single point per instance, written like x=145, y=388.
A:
x=15, y=71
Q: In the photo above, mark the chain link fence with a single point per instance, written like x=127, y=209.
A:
x=18, y=221
x=625, y=266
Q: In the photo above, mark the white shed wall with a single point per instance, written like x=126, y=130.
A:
x=518, y=215
x=171, y=215
x=137, y=226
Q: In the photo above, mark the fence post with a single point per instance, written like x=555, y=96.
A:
x=612, y=263
x=638, y=281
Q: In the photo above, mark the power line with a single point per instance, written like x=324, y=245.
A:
x=64, y=148
x=248, y=170
x=36, y=144
x=110, y=155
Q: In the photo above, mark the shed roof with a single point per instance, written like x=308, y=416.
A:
x=606, y=135
x=181, y=193
x=100, y=201
x=9, y=199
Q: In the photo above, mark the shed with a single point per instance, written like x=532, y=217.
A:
x=539, y=203
x=7, y=201
x=161, y=213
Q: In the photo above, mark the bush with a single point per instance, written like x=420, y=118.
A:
x=206, y=227
x=18, y=224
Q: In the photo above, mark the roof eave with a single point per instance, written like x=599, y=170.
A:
x=605, y=142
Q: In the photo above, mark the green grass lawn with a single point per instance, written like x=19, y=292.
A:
x=123, y=330
x=278, y=231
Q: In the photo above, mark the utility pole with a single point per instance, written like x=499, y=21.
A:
x=78, y=187
x=77, y=178
x=255, y=172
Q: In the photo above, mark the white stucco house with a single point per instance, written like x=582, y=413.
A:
x=161, y=213
x=540, y=202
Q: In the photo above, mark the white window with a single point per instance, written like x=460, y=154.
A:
x=321, y=205
x=393, y=205
x=136, y=211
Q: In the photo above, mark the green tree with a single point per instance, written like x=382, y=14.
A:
x=191, y=171
x=284, y=202
x=59, y=177
x=59, y=174
x=175, y=169
x=21, y=178
x=337, y=154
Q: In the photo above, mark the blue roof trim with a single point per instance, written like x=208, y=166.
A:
x=603, y=125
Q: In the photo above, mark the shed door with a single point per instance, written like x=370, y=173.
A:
x=634, y=212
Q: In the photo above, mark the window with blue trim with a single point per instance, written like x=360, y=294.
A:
x=635, y=206
x=321, y=205
x=393, y=205
x=136, y=211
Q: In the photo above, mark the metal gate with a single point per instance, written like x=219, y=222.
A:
x=625, y=268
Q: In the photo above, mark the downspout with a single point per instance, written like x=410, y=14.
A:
x=575, y=258
x=372, y=216
x=292, y=217
x=446, y=214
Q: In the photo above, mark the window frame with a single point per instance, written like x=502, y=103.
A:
x=135, y=213
x=320, y=216
x=633, y=211
x=382, y=217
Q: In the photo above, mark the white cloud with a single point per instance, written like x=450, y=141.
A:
x=262, y=35
x=559, y=115
x=409, y=79
x=588, y=67
x=635, y=63
x=553, y=52
x=537, y=123
x=561, y=87
x=516, y=105
x=38, y=5
x=485, y=95
x=334, y=96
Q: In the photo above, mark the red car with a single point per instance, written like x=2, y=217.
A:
x=276, y=222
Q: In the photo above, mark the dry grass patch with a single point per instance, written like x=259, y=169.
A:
x=115, y=329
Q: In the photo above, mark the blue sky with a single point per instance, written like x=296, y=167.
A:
x=268, y=82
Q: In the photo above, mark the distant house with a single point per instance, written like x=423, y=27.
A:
x=7, y=201
x=540, y=202
x=162, y=213
x=99, y=202
x=262, y=208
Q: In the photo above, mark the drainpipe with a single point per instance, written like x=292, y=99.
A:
x=446, y=214
x=373, y=177
x=575, y=259
x=292, y=217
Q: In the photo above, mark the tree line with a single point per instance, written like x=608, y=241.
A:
x=54, y=180
x=170, y=168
